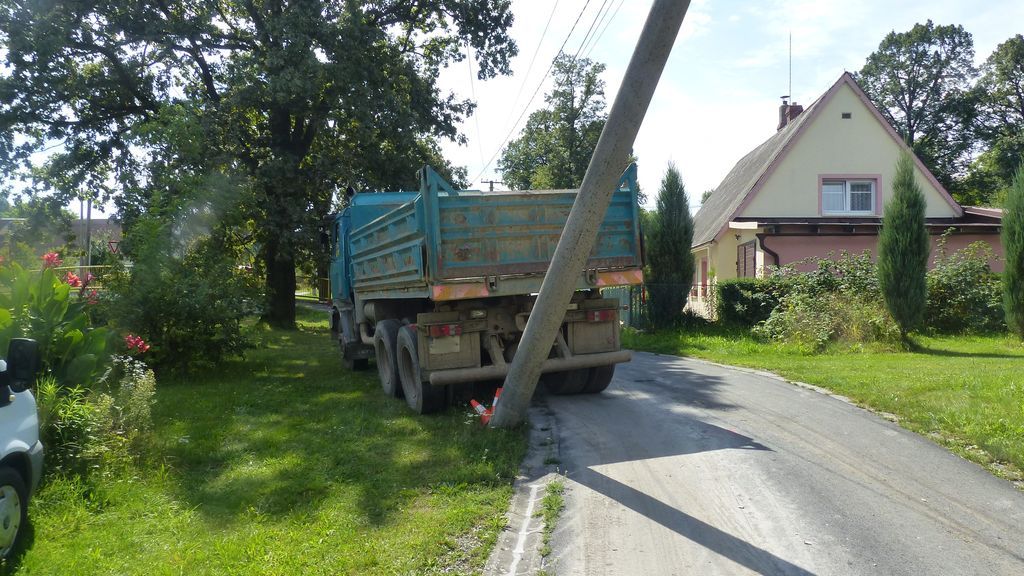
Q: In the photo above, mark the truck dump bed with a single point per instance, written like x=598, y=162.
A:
x=445, y=244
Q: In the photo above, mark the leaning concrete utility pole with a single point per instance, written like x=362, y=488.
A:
x=580, y=233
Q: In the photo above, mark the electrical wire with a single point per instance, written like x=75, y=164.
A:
x=534, y=95
x=533, y=59
x=601, y=34
x=472, y=92
x=593, y=24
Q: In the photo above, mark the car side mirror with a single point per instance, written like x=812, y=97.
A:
x=22, y=364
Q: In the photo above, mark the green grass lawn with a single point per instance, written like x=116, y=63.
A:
x=284, y=463
x=966, y=392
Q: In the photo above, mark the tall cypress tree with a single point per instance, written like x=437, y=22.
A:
x=903, y=248
x=1013, y=246
x=668, y=252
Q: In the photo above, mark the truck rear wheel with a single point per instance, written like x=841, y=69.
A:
x=563, y=383
x=421, y=396
x=385, y=346
x=598, y=379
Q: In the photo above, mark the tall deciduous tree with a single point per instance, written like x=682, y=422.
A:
x=1001, y=92
x=1013, y=246
x=556, y=144
x=269, y=105
x=903, y=248
x=668, y=251
x=920, y=80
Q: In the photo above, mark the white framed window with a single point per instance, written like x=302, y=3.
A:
x=848, y=196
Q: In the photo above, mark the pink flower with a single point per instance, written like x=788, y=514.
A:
x=88, y=278
x=73, y=280
x=136, y=343
x=93, y=297
x=51, y=260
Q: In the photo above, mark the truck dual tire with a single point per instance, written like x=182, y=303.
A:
x=421, y=396
x=582, y=381
x=598, y=379
x=565, y=383
x=385, y=346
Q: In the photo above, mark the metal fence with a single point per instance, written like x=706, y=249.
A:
x=312, y=288
x=633, y=309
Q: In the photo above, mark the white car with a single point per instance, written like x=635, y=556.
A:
x=21, y=452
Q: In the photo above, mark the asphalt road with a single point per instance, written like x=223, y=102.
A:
x=684, y=467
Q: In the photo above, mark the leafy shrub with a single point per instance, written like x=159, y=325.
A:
x=813, y=321
x=126, y=393
x=53, y=309
x=839, y=301
x=86, y=431
x=188, y=302
x=67, y=424
x=852, y=273
x=963, y=293
x=747, y=301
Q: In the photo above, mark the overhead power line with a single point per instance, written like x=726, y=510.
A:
x=534, y=95
x=601, y=34
x=529, y=68
x=472, y=92
x=591, y=30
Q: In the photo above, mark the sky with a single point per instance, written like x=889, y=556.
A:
x=718, y=97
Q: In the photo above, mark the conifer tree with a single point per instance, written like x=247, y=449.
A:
x=903, y=248
x=1013, y=246
x=668, y=252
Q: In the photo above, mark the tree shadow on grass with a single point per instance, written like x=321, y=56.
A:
x=921, y=349
x=290, y=428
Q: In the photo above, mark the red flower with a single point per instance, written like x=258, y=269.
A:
x=93, y=297
x=73, y=280
x=51, y=260
x=136, y=343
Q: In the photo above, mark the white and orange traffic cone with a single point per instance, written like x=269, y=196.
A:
x=485, y=414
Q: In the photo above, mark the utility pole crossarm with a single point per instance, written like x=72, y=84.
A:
x=578, y=237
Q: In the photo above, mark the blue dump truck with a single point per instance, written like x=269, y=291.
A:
x=437, y=285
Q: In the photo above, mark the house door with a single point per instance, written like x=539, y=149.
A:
x=746, y=260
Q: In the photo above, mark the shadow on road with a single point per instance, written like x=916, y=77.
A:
x=714, y=539
x=657, y=409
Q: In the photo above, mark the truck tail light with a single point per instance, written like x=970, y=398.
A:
x=437, y=331
x=600, y=315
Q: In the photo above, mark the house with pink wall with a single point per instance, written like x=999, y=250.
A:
x=817, y=187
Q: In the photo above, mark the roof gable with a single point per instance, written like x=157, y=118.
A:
x=749, y=175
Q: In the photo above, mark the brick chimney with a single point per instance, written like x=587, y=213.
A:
x=788, y=112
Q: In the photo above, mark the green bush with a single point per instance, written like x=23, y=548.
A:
x=747, y=301
x=90, y=431
x=188, y=301
x=853, y=273
x=67, y=424
x=839, y=301
x=814, y=321
x=53, y=309
x=963, y=293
